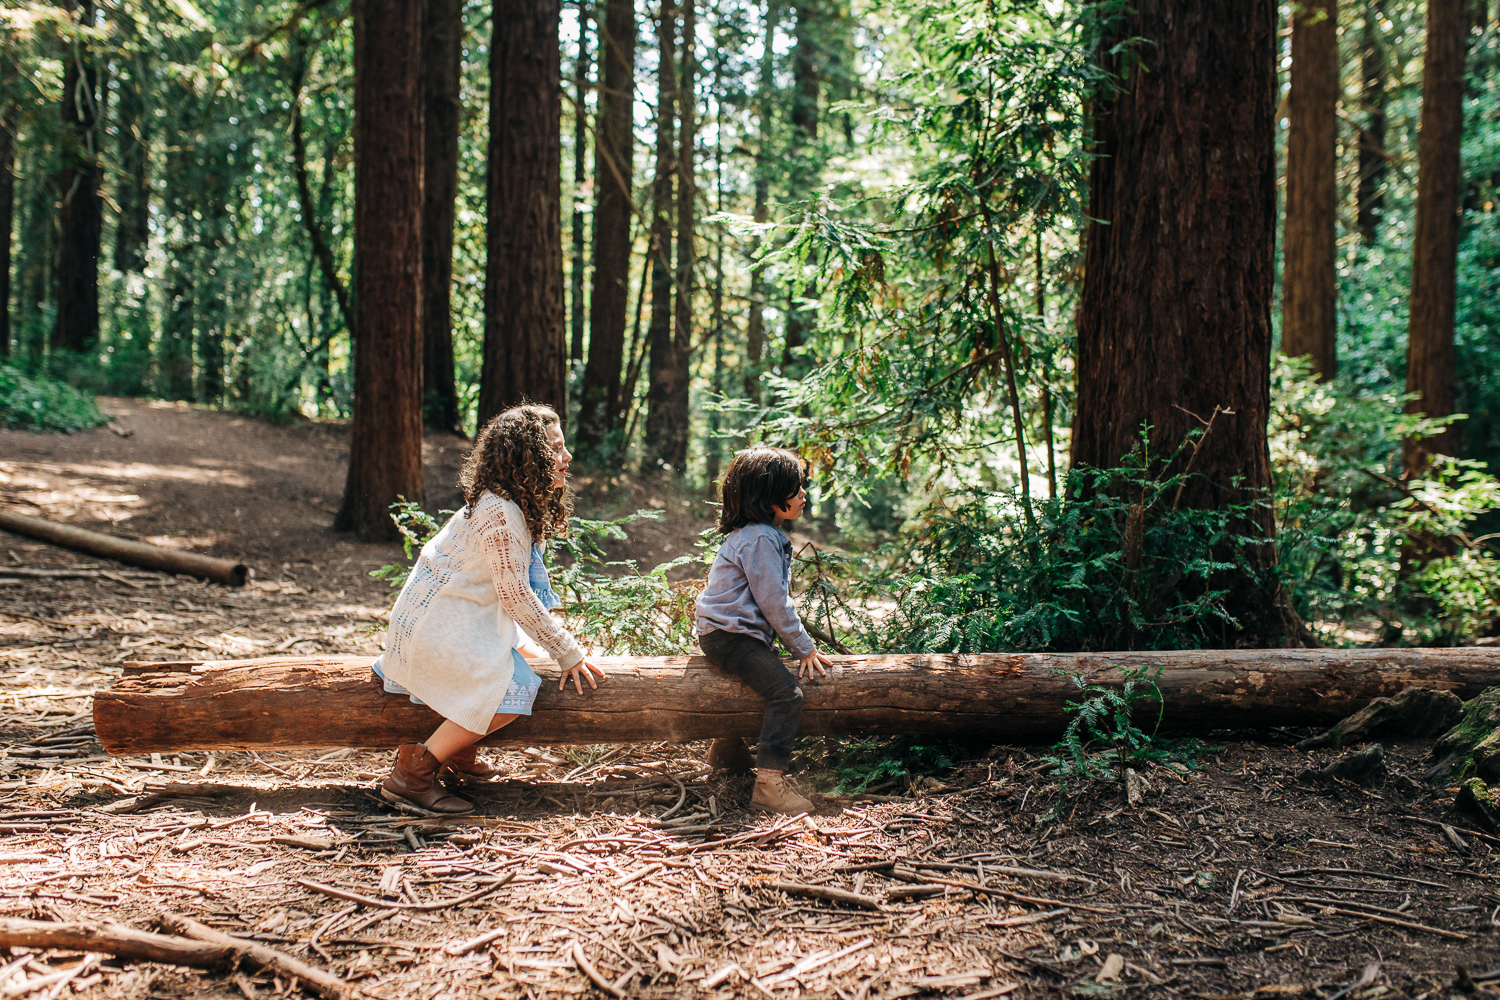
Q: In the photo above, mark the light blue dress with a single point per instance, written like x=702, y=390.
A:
x=524, y=683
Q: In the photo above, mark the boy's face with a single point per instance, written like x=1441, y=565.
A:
x=792, y=509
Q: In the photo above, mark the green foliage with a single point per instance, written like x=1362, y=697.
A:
x=612, y=604
x=1102, y=737
x=40, y=404
x=861, y=763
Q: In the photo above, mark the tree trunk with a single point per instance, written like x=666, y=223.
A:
x=580, y=147
x=1174, y=326
x=385, y=446
x=525, y=356
x=755, y=324
x=672, y=449
x=132, y=231
x=7, y=201
x=805, y=75
x=80, y=223
x=1309, y=279
x=1016, y=698
x=1370, y=194
x=442, y=53
x=180, y=193
x=662, y=373
x=601, y=405
x=1434, y=257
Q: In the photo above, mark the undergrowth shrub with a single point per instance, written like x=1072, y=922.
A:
x=36, y=403
x=1102, y=738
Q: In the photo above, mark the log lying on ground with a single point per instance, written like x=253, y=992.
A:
x=323, y=701
x=132, y=553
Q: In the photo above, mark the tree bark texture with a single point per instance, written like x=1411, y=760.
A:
x=1309, y=316
x=1434, y=259
x=675, y=390
x=665, y=376
x=600, y=406
x=580, y=181
x=1174, y=325
x=442, y=53
x=7, y=207
x=80, y=215
x=1015, y=698
x=385, y=447
x=1370, y=192
x=525, y=356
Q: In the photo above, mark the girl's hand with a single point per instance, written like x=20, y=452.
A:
x=584, y=670
x=814, y=661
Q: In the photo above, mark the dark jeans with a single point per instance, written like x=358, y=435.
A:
x=753, y=662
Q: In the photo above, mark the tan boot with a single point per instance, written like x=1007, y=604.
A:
x=466, y=766
x=774, y=793
x=412, y=784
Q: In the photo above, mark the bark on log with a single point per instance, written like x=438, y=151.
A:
x=323, y=701
x=111, y=938
x=132, y=553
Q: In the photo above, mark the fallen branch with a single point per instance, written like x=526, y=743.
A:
x=587, y=968
x=111, y=938
x=385, y=904
x=828, y=894
x=132, y=553
x=323, y=983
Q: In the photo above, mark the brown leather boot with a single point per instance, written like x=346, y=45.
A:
x=774, y=793
x=466, y=766
x=412, y=784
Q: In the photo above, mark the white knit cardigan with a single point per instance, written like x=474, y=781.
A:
x=454, y=625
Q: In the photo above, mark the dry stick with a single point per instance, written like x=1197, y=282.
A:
x=385, y=904
x=975, y=887
x=1030, y=918
x=826, y=893
x=324, y=983
x=57, y=980
x=681, y=798
x=816, y=962
x=1409, y=924
x=587, y=967
x=1359, y=871
x=114, y=939
x=1234, y=894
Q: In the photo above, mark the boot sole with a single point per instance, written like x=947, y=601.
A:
x=407, y=805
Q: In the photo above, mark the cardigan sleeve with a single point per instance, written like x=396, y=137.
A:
x=507, y=548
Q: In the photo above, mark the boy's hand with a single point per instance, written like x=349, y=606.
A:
x=814, y=661
x=584, y=670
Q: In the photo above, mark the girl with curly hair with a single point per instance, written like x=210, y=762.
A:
x=453, y=641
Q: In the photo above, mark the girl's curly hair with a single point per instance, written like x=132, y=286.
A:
x=513, y=458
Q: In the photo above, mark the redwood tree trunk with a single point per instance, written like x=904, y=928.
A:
x=132, y=232
x=580, y=147
x=600, y=406
x=662, y=373
x=1434, y=258
x=1309, y=279
x=79, y=224
x=385, y=447
x=1175, y=314
x=525, y=357
x=1370, y=194
x=755, y=324
x=442, y=50
x=674, y=427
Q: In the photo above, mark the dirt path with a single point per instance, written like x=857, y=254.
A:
x=1238, y=880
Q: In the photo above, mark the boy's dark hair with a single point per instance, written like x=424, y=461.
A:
x=755, y=483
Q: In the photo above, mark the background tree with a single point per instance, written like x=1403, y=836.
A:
x=664, y=373
x=1174, y=326
x=614, y=151
x=1370, y=187
x=442, y=57
x=80, y=218
x=1309, y=313
x=385, y=442
x=8, y=112
x=1430, y=348
x=580, y=182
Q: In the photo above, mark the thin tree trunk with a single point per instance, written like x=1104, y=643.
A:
x=805, y=75
x=180, y=205
x=1041, y=315
x=442, y=53
x=1309, y=278
x=1429, y=351
x=674, y=428
x=755, y=324
x=713, y=458
x=7, y=199
x=580, y=146
x=1370, y=194
x=601, y=405
x=1174, y=325
x=385, y=446
x=132, y=231
x=80, y=221
x=661, y=372
x=525, y=355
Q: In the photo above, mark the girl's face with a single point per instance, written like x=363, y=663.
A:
x=793, y=508
x=562, y=457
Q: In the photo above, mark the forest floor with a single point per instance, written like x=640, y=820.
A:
x=636, y=865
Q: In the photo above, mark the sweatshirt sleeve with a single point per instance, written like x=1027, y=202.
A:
x=769, y=579
x=508, y=552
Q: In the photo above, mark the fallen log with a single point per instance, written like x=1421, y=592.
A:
x=125, y=550
x=1019, y=698
x=111, y=938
